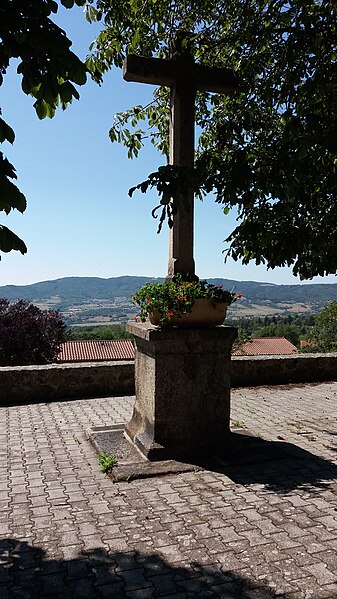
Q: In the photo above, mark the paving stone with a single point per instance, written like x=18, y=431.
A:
x=133, y=579
x=111, y=591
x=266, y=531
x=321, y=572
x=141, y=594
x=4, y=592
x=92, y=541
x=164, y=584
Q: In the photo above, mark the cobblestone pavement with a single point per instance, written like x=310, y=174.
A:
x=262, y=531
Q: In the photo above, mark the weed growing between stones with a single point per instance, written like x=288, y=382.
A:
x=107, y=462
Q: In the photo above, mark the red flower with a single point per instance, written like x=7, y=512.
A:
x=170, y=313
x=238, y=295
x=219, y=286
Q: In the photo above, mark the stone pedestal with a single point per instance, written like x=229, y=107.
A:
x=182, y=378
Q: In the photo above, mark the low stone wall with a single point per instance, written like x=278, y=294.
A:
x=251, y=371
x=24, y=384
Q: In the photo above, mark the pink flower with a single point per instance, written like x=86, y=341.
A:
x=238, y=295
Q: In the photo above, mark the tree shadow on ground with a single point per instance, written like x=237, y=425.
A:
x=26, y=573
x=281, y=467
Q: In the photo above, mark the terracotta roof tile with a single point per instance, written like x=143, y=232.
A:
x=264, y=347
x=304, y=343
x=96, y=351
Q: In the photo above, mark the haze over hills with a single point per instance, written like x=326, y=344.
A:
x=85, y=299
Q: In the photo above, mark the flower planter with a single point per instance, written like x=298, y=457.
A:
x=204, y=313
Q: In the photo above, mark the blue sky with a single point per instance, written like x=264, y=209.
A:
x=80, y=220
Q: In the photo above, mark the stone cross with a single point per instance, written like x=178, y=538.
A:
x=185, y=78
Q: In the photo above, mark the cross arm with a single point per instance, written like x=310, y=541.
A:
x=141, y=69
x=159, y=71
x=214, y=79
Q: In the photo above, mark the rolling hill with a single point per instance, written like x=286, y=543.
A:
x=95, y=297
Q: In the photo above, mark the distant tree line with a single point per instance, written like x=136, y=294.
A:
x=29, y=335
x=112, y=331
x=325, y=329
x=292, y=327
x=320, y=329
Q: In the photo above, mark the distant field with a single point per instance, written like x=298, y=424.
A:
x=92, y=300
x=94, y=324
x=94, y=314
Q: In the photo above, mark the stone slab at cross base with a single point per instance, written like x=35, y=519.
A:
x=182, y=379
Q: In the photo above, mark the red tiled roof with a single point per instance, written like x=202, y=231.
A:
x=304, y=343
x=266, y=346
x=96, y=351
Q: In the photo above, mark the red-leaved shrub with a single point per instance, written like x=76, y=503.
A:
x=29, y=335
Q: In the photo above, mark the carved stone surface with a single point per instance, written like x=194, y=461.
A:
x=182, y=379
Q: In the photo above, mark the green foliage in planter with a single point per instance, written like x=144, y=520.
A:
x=176, y=297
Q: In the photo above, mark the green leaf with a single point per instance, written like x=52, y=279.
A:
x=78, y=73
x=11, y=197
x=9, y=241
x=41, y=108
x=6, y=132
x=67, y=92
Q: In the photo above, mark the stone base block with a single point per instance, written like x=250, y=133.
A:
x=182, y=379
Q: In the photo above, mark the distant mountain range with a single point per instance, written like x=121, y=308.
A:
x=78, y=291
x=73, y=290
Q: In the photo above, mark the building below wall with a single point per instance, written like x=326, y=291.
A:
x=97, y=351
x=123, y=349
x=264, y=346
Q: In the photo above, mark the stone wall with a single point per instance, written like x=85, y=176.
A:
x=23, y=384
x=250, y=371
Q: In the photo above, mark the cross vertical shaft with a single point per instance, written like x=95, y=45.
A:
x=182, y=154
x=184, y=77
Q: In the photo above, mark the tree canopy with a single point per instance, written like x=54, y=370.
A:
x=269, y=149
x=325, y=330
x=48, y=69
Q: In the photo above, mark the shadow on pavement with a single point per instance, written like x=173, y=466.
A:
x=25, y=573
x=281, y=467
